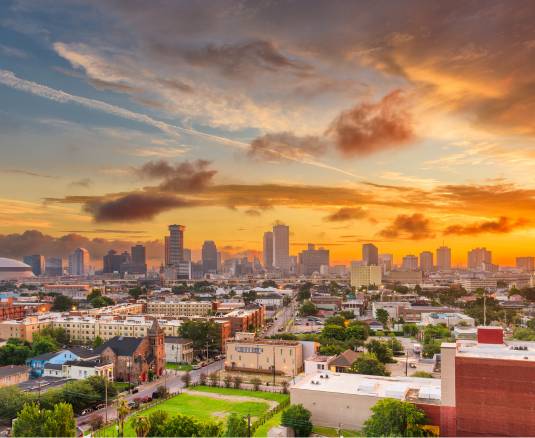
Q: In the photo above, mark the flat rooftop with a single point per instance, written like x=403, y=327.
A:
x=402, y=388
x=511, y=350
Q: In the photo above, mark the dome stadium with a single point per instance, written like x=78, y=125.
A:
x=11, y=269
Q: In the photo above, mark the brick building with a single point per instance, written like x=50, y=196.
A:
x=241, y=320
x=135, y=358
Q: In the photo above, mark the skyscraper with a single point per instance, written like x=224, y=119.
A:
x=112, y=261
x=311, y=260
x=209, y=257
x=268, y=250
x=477, y=256
x=525, y=263
x=54, y=266
x=364, y=276
x=139, y=256
x=174, y=245
x=426, y=261
x=135, y=263
x=409, y=263
x=37, y=262
x=79, y=262
x=370, y=255
x=386, y=261
x=281, y=247
x=443, y=258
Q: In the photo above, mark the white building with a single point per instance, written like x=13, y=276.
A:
x=471, y=284
x=363, y=276
x=178, y=350
x=448, y=319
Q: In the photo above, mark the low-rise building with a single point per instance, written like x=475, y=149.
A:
x=264, y=356
x=317, y=363
x=448, y=319
x=343, y=362
x=180, y=308
x=82, y=369
x=13, y=375
x=77, y=292
x=471, y=284
x=242, y=320
x=178, y=350
x=327, y=302
x=37, y=363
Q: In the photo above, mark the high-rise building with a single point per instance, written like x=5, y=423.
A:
x=136, y=263
x=386, y=261
x=174, y=245
x=79, y=262
x=370, y=255
x=311, y=260
x=139, y=255
x=409, y=263
x=112, y=261
x=443, y=258
x=187, y=255
x=209, y=257
x=281, y=248
x=478, y=256
x=525, y=263
x=268, y=250
x=364, y=276
x=426, y=261
x=37, y=262
x=54, y=266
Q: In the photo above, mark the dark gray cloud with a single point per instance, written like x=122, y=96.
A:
x=347, y=214
x=415, y=227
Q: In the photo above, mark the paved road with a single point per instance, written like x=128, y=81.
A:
x=172, y=380
x=284, y=315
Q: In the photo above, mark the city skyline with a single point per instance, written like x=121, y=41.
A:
x=232, y=118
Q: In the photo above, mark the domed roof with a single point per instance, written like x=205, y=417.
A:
x=12, y=263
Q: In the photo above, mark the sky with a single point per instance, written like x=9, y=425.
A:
x=408, y=124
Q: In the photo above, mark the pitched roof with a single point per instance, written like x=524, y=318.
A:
x=86, y=363
x=46, y=356
x=346, y=358
x=83, y=352
x=53, y=366
x=176, y=340
x=13, y=369
x=121, y=345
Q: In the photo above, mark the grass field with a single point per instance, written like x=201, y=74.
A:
x=333, y=432
x=200, y=407
x=275, y=396
x=263, y=430
x=178, y=366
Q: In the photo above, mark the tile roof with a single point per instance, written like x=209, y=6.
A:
x=121, y=345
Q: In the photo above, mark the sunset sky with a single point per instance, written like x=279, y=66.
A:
x=404, y=123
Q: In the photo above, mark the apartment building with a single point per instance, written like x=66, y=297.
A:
x=13, y=375
x=471, y=284
x=178, y=350
x=260, y=356
x=180, y=308
x=118, y=309
x=242, y=320
x=75, y=291
x=24, y=329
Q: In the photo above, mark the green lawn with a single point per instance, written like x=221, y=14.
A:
x=196, y=406
x=275, y=396
x=263, y=430
x=332, y=432
x=121, y=386
x=178, y=366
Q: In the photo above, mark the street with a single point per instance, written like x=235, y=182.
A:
x=172, y=380
x=283, y=316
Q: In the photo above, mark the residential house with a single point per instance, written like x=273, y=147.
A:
x=342, y=363
x=37, y=363
x=13, y=375
x=178, y=350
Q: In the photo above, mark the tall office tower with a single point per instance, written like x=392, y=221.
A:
x=281, y=247
x=386, y=261
x=37, y=262
x=409, y=263
x=426, y=261
x=139, y=255
x=525, y=263
x=209, y=257
x=135, y=263
x=174, y=245
x=443, y=258
x=54, y=266
x=364, y=276
x=311, y=260
x=187, y=255
x=370, y=255
x=79, y=262
x=112, y=261
x=268, y=250
x=477, y=257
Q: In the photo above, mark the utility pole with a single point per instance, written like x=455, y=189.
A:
x=485, y=308
x=273, y=365
x=248, y=425
x=406, y=362
x=106, y=398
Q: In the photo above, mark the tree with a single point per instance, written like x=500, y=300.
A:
x=249, y=297
x=157, y=419
x=236, y=426
x=80, y=394
x=333, y=331
x=304, y=291
x=424, y=374
x=12, y=399
x=28, y=421
x=202, y=379
x=368, y=364
x=256, y=382
x=183, y=425
x=347, y=314
x=99, y=384
x=227, y=380
x=136, y=292
x=122, y=412
x=162, y=391
x=202, y=333
x=381, y=349
x=285, y=385
x=237, y=382
x=214, y=379
x=62, y=303
x=395, y=345
x=391, y=417
x=298, y=418
x=101, y=301
x=308, y=308
x=410, y=329
x=15, y=352
x=33, y=421
x=96, y=422
x=336, y=320
x=269, y=283
x=357, y=330
x=59, y=334
x=97, y=342
x=43, y=344
x=186, y=379
x=141, y=425
x=382, y=316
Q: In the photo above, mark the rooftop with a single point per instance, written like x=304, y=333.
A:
x=511, y=350
x=176, y=340
x=402, y=388
x=13, y=369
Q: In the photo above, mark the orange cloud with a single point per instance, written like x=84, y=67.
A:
x=499, y=226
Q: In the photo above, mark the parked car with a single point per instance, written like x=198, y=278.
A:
x=132, y=404
x=86, y=411
x=135, y=390
x=100, y=406
x=196, y=367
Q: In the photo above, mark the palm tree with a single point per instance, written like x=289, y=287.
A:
x=141, y=425
x=122, y=412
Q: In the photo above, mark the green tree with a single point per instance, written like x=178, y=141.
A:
x=236, y=426
x=12, y=399
x=28, y=421
x=33, y=421
x=269, y=283
x=59, y=334
x=304, y=291
x=395, y=345
x=410, y=329
x=97, y=342
x=249, y=297
x=15, y=352
x=298, y=418
x=43, y=344
x=237, y=382
x=80, y=394
x=202, y=333
x=141, y=425
x=347, y=314
x=99, y=384
x=381, y=349
x=62, y=303
x=101, y=301
x=333, y=331
x=392, y=417
x=122, y=413
x=424, y=374
x=382, y=316
x=368, y=364
x=308, y=308
x=183, y=425
x=136, y=292
x=186, y=379
x=357, y=330
x=336, y=320
x=157, y=420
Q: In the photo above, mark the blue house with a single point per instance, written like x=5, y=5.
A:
x=37, y=363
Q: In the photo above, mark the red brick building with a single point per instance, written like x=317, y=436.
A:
x=242, y=320
x=488, y=387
